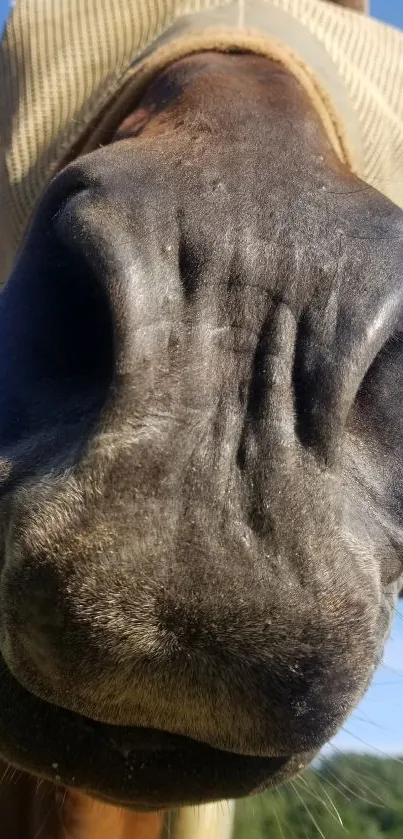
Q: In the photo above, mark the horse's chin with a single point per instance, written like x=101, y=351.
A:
x=138, y=768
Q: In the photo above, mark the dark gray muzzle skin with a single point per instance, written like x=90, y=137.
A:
x=201, y=459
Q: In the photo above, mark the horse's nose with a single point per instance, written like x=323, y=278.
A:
x=132, y=590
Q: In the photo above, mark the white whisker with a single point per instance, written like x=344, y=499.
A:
x=311, y=816
x=320, y=800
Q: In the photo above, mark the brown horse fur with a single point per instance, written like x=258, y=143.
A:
x=357, y=5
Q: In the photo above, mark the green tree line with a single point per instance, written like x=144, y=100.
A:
x=347, y=796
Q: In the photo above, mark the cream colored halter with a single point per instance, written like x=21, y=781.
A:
x=63, y=62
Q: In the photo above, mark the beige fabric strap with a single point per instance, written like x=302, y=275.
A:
x=61, y=62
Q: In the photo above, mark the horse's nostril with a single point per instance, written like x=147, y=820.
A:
x=56, y=333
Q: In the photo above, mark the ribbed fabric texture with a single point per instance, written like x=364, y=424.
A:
x=62, y=60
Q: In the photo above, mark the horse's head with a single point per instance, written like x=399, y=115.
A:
x=201, y=442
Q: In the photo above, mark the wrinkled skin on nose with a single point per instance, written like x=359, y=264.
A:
x=201, y=433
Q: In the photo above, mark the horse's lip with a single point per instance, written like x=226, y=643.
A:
x=136, y=768
x=134, y=739
x=182, y=757
x=130, y=740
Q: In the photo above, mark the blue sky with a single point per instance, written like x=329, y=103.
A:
x=377, y=724
x=391, y=11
